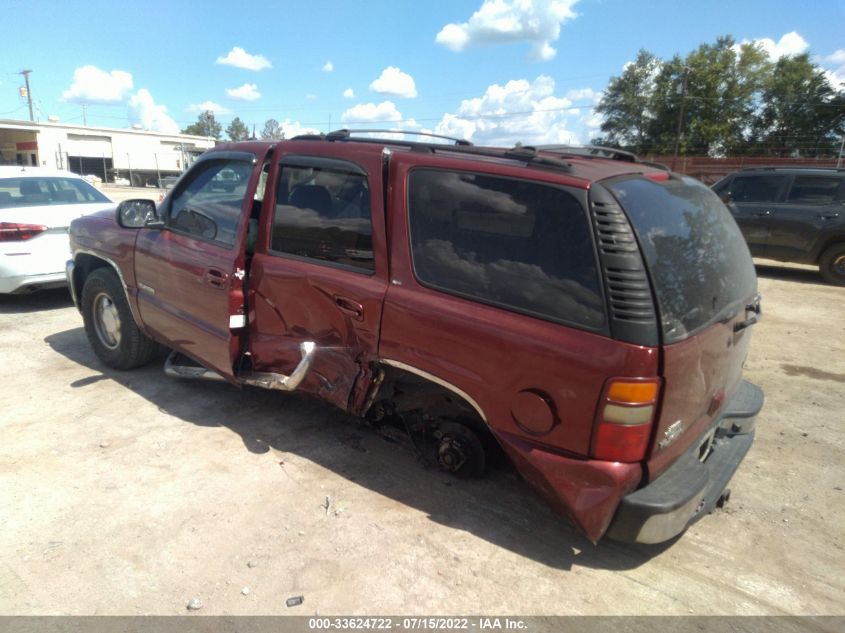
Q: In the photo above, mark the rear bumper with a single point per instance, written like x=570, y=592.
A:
x=690, y=488
x=22, y=284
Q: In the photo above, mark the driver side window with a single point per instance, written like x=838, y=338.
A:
x=210, y=204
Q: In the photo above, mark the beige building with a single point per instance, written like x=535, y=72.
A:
x=140, y=156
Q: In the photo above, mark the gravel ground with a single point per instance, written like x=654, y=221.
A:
x=131, y=493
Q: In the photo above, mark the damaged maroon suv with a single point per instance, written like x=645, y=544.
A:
x=584, y=313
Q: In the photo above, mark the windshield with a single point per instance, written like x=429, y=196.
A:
x=32, y=191
x=698, y=260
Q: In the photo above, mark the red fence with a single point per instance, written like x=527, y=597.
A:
x=709, y=170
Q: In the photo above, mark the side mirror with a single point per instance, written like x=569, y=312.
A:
x=726, y=197
x=138, y=213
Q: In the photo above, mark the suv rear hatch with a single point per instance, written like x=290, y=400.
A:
x=705, y=287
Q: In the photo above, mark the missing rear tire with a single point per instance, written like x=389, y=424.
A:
x=459, y=451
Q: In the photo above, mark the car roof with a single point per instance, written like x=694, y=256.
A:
x=18, y=171
x=576, y=165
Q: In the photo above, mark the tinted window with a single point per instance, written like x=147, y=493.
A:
x=323, y=213
x=521, y=245
x=697, y=257
x=32, y=191
x=756, y=188
x=210, y=203
x=814, y=189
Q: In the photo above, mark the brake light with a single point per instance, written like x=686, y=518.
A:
x=625, y=418
x=14, y=232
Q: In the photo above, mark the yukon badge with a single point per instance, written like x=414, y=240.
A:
x=672, y=432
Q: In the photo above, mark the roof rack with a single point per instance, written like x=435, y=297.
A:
x=526, y=154
x=599, y=151
x=346, y=134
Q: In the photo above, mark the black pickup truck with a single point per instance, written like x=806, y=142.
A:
x=791, y=214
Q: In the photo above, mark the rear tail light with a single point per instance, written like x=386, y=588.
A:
x=14, y=232
x=625, y=418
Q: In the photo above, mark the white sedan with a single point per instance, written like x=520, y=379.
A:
x=36, y=208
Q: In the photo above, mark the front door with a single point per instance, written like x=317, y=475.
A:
x=753, y=199
x=320, y=271
x=189, y=274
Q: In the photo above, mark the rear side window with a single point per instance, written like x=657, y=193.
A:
x=815, y=189
x=699, y=263
x=521, y=245
x=323, y=213
x=757, y=188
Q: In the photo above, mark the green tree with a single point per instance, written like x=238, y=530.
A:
x=206, y=125
x=272, y=130
x=237, y=130
x=719, y=85
x=801, y=113
x=627, y=104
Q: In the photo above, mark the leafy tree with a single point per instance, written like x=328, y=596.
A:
x=237, y=130
x=272, y=130
x=206, y=125
x=802, y=113
x=627, y=104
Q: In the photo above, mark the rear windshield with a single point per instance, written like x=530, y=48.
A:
x=698, y=260
x=31, y=191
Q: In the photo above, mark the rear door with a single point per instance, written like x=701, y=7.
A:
x=813, y=207
x=753, y=200
x=319, y=273
x=190, y=274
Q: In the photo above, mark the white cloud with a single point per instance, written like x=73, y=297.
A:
x=239, y=58
x=247, y=92
x=372, y=113
x=789, y=44
x=144, y=111
x=208, y=106
x=295, y=128
x=519, y=111
x=328, y=67
x=349, y=93
x=835, y=68
x=93, y=85
x=505, y=21
x=394, y=82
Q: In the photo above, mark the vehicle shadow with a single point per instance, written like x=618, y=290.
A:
x=499, y=508
x=36, y=302
x=786, y=273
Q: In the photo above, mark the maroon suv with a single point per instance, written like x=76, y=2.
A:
x=588, y=315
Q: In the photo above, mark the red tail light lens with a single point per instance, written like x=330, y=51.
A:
x=14, y=232
x=625, y=418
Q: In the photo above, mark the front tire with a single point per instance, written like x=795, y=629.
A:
x=109, y=326
x=832, y=265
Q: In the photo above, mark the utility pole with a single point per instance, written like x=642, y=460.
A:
x=841, y=147
x=84, y=118
x=25, y=74
x=680, y=118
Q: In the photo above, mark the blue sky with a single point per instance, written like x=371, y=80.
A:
x=492, y=71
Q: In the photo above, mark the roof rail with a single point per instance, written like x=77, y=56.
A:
x=345, y=134
x=526, y=154
x=599, y=151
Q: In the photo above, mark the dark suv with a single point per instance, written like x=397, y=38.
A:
x=791, y=214
x=587, y=317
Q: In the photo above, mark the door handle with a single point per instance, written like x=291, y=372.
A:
x=760, y=213
x=215, y=277
x=350, y=307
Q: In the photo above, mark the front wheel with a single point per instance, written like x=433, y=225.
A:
x=832, y=265
x=109, y=326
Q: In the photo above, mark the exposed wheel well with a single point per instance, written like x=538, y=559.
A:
x=404, y=393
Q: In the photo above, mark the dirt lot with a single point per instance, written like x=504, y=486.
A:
x=131, y=493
